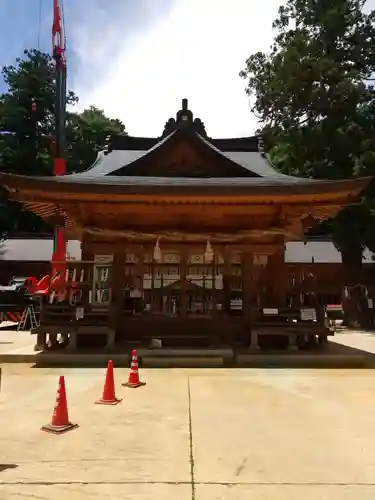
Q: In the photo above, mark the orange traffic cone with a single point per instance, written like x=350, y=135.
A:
x=109, y=397
x=60, y=419
x=133, y=380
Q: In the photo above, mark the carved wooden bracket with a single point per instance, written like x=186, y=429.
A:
x=57, y=220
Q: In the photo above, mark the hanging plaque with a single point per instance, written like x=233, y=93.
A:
x=103, y=259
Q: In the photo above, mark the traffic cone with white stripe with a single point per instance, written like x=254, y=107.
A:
x=60, y=418
x=133, y=380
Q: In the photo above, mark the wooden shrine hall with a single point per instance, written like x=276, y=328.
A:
x=183, y=244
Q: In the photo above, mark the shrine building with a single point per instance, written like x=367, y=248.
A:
x=183, y=240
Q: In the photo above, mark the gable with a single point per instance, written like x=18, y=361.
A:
x=184, y=154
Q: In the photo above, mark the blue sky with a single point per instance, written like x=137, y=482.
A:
x=27, y=24
x=137, y=59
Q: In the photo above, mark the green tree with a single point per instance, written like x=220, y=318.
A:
x=315, y=108
x=25, y=133
x=27, y=116
x=87, y=134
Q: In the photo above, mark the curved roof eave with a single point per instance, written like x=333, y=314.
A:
x=256, y=186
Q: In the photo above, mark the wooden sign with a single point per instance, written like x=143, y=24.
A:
x=103, y=259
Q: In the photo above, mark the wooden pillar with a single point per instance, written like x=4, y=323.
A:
x=152, y=290
x=227, y=279
x=40, y=341
x=86, y=250
x=88, y=255
x=277, y=277
x=117, y=294
x=72, y=346
x=88, y=277
x=41, y=336
x=183, y=269
x=141, y=271
x=247, y=271
x=213, y=288
x=247, y=266
x=293, y=342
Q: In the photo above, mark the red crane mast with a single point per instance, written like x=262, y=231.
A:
x=59, y=163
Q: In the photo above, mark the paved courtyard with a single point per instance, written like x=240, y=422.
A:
x=207, y=434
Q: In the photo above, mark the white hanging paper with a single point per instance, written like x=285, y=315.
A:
x=270, y=311
x=308, y=314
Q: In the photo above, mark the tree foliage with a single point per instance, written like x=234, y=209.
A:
x=316, y=109
x=26, y=135
x=87, y=133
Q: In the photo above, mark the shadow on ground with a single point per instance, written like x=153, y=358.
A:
x=4, y=467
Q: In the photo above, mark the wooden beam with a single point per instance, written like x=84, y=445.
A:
x=185, y=236
x=107, y=248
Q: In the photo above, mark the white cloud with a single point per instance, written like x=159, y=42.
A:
x=195, y=51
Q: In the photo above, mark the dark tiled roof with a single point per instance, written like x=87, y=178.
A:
x=238, y=157
x=256, y=164
x=121, y=142
x=124, y=167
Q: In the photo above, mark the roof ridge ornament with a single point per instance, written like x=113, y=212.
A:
x=107, y=145
x=184, y=120
x=261, y=146
x=184, y=116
